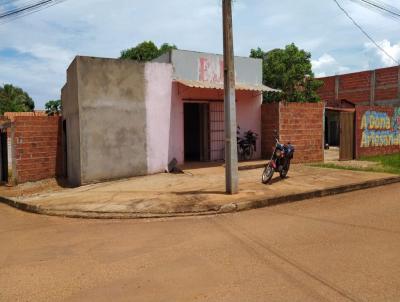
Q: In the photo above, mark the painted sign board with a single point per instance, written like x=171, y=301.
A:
x=205, y=67
x=380, y=128
x=211, y=70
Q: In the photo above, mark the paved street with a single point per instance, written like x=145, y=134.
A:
x=341, y=248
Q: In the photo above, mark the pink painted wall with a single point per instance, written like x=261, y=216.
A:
x=248, y=114
x=158, y=112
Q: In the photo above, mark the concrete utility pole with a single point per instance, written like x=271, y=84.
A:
x=231, y=158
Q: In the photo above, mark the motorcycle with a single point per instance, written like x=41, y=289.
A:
x=246, y=145
x=280, y=161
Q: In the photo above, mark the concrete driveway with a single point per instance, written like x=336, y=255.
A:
x=340, y=248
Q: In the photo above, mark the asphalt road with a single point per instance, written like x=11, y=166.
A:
x=341, y=248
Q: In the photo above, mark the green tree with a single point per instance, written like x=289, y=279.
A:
x=146, y=51
x=14, y=99
x=53, y=107
x=166, y=48
x=289, y=70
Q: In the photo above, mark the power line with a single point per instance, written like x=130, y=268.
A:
x=365, y=33
x=23, y=9
x=27, y=9
x=12, y=2
x=381, y=6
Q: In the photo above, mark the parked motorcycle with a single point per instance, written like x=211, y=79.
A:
x=280, y=161
x=246, y=145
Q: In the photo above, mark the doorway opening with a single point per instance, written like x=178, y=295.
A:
x=3, y=156
x=196, y=132
x=339, y=134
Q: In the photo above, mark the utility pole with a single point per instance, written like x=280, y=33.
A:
x=231, y=158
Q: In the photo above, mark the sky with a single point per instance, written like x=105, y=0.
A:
x=36, y=50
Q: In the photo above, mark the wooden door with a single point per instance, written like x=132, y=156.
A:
x=346, y=136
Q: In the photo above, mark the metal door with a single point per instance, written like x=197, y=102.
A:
x=217, y=133
x=346, y=136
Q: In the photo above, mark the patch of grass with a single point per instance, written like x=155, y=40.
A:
x=386, y=164
x=390, y=163
x=342, y=167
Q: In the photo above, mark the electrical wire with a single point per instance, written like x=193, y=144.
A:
x=365, y=33
x=23, y=9
x=27, y=9
x=380, y=6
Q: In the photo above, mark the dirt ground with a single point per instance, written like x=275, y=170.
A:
x=32, y=188
x=341, y=248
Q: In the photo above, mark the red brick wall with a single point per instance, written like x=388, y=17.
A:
x=37, y=148
x=378, y=135
x=301, y=124
x=269, y=123
x=356, y=87
x=327, y=91
x=12, y=115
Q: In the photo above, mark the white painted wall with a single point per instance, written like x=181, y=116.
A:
x=158, y=114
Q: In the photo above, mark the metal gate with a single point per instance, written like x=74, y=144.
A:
x=217, y=133
x=346, y=136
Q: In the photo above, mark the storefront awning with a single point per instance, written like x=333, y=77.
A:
x=239, y=86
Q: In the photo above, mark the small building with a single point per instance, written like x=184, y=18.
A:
x=122, y=118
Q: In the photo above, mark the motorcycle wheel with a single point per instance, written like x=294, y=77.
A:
x=248, y=153
x=267, y=174
x=285, y=170
x=239, y=154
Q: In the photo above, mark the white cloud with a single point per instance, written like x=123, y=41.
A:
x=393, y=50
x=48, y=40
x=324, y=61
x=327, y=64
x=320, y=75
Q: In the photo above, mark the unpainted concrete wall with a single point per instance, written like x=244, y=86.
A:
x=70, y=113
x=112, y=118
x=118, y=118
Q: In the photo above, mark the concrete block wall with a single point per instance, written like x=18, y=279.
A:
x=373, y=87
x=377, y=130
x=301, y=124
x=36, y=148
x=117, y=115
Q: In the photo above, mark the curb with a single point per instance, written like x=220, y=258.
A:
x=225, y=209
x=252, y=167
x=247, y=205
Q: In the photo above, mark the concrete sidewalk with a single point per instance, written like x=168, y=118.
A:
x=199, y=191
